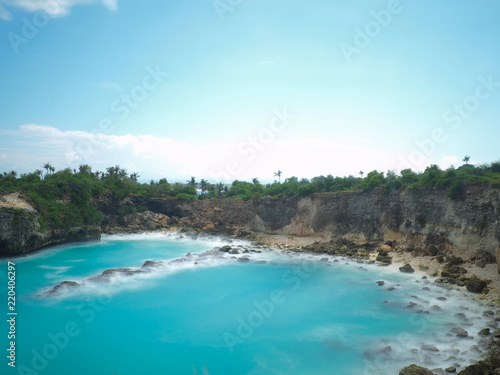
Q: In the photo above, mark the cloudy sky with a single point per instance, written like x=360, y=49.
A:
x=235, y=89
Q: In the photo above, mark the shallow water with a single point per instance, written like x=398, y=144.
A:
x=208, y=313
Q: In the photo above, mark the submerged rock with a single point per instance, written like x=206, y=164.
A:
x=62, y=285
x=380, y=283
x=415, y=370
x=460, y=332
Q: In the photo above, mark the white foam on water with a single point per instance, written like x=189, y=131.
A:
x=441, y=349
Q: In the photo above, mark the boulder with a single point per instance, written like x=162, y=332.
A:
x=406, y=269
x=415, y=370
x=484, y=332
x=460, y=332
x=475, y=284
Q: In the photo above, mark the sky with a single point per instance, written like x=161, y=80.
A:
x=236, y=89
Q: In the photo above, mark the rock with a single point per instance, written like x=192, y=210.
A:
x=225, y=249
x=488, y=313
x=494, y=356
x=407, y=269
x=441, y=298
x=460, y=332
x=429, y=348
x=432, y=250
x=234, y=251
x=62, y=285
x=479, y=368
x=496, y=333
x=450, y=369
x=475, y=284
x=380, y=283
x=415, y=370
x=461, y=316
x=243, y=259
x=484, y=332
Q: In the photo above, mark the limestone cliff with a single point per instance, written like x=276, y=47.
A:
x=20, y=230
x=414, y=218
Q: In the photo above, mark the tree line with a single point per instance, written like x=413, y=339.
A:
x=64, y=197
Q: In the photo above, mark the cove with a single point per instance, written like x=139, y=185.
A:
x=196, y=309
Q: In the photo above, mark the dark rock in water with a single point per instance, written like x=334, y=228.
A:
x=461, y=316
x=475, y=284
x=246, y=251
x=426, y=288
x=150, y=263
x=225, y=249
x=496, y=333
x=415, y=370
x=234, y=251
x=441, y=298
x=436, y=308
x=429, y=348
x=484, y=332
x=243, y=259
x=460, y=332
x=380, y=283
x=407, y=269
x=479, y=368
x=494, y=356
x=450, y=369
x=64, y=284
x=324, y=260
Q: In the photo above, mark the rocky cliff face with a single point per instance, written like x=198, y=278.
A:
x=417, y=218
x=20, y=229
x=414, y=218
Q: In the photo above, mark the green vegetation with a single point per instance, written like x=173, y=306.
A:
x=65, y=197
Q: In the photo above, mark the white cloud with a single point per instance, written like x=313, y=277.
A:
x=448, y=161
x=155, y=157
x=54, y=8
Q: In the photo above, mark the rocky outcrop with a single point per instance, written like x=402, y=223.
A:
x=20, y=233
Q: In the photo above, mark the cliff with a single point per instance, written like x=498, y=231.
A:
x=20, y=229
x=418, y=218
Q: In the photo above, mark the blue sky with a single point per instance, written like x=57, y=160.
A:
x=219, y=91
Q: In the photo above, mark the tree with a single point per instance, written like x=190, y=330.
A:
x=192, y=181
x=361, y=173
x=48, y=167
x=203, y=185
x=278, y=174
x=466, y=159
x=134, y=176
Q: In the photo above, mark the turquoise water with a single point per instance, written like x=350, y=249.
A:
x=280, y=313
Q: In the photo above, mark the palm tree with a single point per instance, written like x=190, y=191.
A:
x=466, y=159
x=278, y=174
x=192, y=181
x=134, y=176
x=361, y=173
x=47, y=167
x=39, y=173
x=203, y=185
